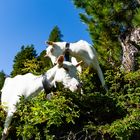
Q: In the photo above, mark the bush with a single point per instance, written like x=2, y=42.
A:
x=96, y=114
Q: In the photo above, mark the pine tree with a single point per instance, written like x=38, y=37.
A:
x=26, y=53
x=55, y=34
x=106, y=21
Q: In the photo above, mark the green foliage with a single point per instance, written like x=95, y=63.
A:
x=2, y=119
x=35, y=117
x=2, y=79
x=136, y=20
x=31, y=66
x=44, y=62
x=122, y=129
x=93, y=115
x=55, y=35
x=106, y=21
x=26, y=53
x=125, y=91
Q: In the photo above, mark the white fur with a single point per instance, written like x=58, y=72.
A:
x=81, y=50
x=30, y=85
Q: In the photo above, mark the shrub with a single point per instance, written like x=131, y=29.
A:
x=96, y=114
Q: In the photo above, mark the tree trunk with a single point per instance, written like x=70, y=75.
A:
x=130, y=42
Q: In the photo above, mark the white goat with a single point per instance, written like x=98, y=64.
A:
x=30, y=85
x=80, y=50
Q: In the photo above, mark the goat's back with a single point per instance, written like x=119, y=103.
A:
x=15, y=87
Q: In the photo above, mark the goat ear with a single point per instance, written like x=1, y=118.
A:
x=49, y=43
x=79, y=63
x=60, y=60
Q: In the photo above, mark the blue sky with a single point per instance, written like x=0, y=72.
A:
x=26, y=22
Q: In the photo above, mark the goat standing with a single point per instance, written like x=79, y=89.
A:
x=30, y=85
x=81, y=50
